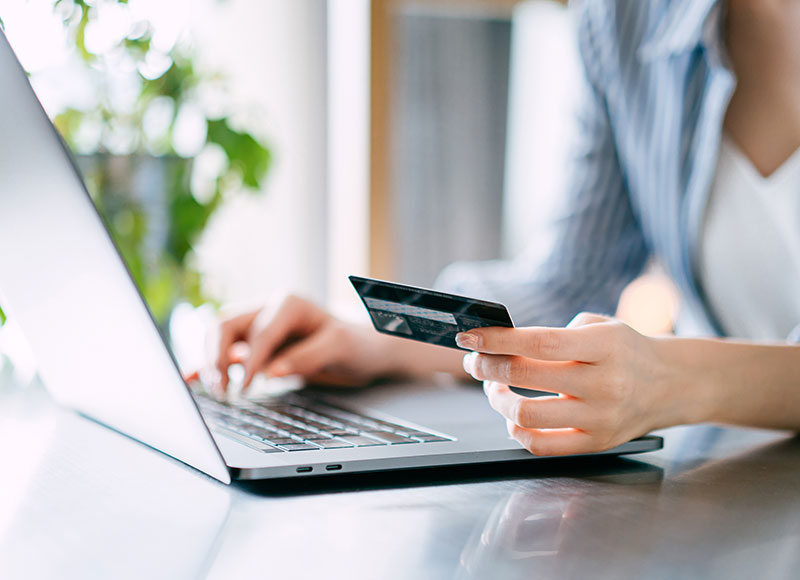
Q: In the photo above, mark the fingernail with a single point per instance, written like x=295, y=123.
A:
x=467, y=340
x=468, y=362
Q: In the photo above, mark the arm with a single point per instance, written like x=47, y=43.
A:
x=592, y=246
x=737, y=382
x=582, y=262
x=297, y=337
x=612, y=384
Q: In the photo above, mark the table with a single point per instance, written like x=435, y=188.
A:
x=78, y=500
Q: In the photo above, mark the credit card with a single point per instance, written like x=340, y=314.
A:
x=426, y=315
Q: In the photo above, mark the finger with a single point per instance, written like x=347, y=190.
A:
x=557, y=344
x=191, y=377
x=231, y=331
x=548, y=412
x=552, y=442
x=236, y=356
x=586, y=318
x=570, y=377
x=289, y=321
x=307, y=357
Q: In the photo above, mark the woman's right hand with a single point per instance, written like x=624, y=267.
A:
x=299, y=338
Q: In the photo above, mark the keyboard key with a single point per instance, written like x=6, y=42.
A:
x=431, y=438
x=363, y=441
x=263, y=433
x=302, y=433
x=386, y=426
x=318, y=437
x=249, y=441
x=258, y=416
x=391, y=438
x=283, y=441
x=332, y=423
x=412, y=433
x=339, y=432
x=267, y=449
x=296, y=417
x=324, y=434
x=297, y=447
x=332, y=444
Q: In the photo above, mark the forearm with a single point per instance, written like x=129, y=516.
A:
x=417, y=359
x=734, y=382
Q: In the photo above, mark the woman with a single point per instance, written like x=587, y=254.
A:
x=688, y=153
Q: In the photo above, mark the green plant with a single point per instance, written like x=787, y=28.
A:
x=162, y=84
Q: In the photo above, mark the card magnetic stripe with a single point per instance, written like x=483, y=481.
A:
x=408, y=310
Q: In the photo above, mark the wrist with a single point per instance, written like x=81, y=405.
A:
x=390, y=355
x=689, y=394
x=374, y=353
x=400, y=357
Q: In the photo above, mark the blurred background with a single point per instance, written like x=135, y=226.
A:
x=243, y=148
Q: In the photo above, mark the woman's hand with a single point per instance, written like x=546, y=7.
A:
x=610, y=383
x=296, y=337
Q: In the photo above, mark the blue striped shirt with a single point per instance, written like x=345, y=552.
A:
x=655, y=93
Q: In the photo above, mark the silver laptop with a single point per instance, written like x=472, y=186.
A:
x=100, y=353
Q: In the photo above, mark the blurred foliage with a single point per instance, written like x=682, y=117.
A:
x=155, y=234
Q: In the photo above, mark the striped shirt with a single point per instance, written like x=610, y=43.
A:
x=655, y=91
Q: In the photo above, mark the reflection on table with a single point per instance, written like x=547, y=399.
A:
x=79, y=500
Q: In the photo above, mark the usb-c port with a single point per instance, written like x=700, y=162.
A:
x=304, y=469
x=334, y=467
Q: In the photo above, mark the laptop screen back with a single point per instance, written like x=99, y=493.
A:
x=61, y=277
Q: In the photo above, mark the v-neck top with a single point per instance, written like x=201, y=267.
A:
x=649, y=112
x=750, y=246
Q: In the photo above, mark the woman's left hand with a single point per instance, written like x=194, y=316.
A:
x=610, y=383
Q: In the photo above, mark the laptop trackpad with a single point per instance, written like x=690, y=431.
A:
x=436, y=404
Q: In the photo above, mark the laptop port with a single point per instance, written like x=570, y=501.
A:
x=304, y=469
x=334, y=467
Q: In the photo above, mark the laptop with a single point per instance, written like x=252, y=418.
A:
x=100, y=353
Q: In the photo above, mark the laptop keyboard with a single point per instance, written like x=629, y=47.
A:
x=296, y=423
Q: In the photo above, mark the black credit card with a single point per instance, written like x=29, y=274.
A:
x=426, y=315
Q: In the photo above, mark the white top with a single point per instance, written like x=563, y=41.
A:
x=750, y=246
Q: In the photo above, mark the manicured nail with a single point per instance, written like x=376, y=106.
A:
x=468, y=362
x=467, y=340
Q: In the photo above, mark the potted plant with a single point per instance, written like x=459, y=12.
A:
x=158, y=149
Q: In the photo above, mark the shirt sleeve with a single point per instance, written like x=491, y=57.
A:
x=593, y=245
